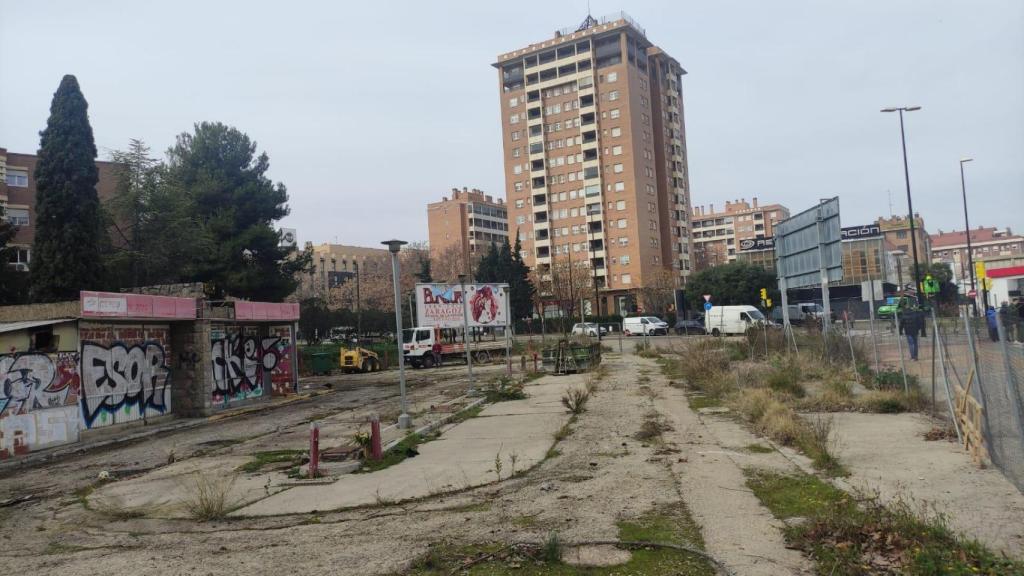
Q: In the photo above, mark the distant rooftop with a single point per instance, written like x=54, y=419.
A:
x=590, y=22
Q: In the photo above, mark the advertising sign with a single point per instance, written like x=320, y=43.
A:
x=808, y=248
x=441, y=305
x=118, y=305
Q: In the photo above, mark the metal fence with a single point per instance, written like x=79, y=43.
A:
x=981, y=358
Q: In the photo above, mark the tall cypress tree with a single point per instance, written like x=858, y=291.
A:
x=69, y=226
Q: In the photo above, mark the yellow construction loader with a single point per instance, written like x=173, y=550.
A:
x=358, y=359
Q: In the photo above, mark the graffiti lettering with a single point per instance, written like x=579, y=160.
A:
x=239, y=364
x=34, y=381
x=133, y=379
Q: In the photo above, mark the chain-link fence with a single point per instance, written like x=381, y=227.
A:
x=969, y=370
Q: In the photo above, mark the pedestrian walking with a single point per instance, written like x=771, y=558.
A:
x=993, y=327
x=911, y=326
x=1019, y=306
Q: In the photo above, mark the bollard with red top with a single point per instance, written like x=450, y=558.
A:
x=376, y=453
x=314, y=449
x=534, y=361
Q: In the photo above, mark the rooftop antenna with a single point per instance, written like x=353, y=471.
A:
x=889, y=192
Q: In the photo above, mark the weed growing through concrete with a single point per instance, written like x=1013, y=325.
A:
x=575, y=400
x=208, y=495
x=553, y=548
x=497, y=465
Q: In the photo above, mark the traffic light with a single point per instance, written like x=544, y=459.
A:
x=764, y=294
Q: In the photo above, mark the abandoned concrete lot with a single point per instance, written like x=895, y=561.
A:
x=583, y=480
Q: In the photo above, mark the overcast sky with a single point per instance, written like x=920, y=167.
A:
x=369, y=111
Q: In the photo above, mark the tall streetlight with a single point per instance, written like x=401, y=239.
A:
x=404, y=420
x=967, y=230
x=910, y=203
x=466, y=340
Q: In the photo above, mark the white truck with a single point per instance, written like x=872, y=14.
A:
x=418, y=345
x=732, y=319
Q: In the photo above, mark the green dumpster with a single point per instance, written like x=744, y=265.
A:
x=321, y=362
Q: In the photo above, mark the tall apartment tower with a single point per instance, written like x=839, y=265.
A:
x=595, y=158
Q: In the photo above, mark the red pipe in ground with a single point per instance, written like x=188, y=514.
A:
x=376, y=452
x=314, y=449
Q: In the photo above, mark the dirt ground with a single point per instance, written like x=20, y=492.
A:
x=596, y=477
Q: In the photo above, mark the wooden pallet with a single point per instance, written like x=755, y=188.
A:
x=969, y=414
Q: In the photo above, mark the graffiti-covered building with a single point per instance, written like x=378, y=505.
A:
x=116, y=359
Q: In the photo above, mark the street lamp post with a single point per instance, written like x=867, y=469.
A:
x=466, y=341
x=899, y=254
x=910, y=203
x=359, y=306
x=404, y=420
x=967, y=231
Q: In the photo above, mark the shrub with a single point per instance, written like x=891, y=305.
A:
x=784, y=376
x=780, y=423
x=752, y=403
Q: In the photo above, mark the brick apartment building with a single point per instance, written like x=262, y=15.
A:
x=718, y=236
x=987, y=244
x=470, y=220
x=896, y=230
x=334, y=264
x=18, y=196
x=595, y=156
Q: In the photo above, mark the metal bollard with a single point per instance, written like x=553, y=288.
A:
x=376, y=453
x=314, y=449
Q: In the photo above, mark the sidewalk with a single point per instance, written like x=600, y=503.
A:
x=461, y=458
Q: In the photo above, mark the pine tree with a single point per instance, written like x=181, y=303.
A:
x=234, y=206
x=489, y=268
x=66, y=254
x=520, y=285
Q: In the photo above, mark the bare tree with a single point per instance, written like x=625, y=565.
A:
x=447, y=263
x=658, y=290
x=570, y=281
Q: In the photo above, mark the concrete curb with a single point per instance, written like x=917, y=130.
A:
x=47, y=455
x=435, y=424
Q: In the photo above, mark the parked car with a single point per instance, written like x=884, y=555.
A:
x=888, y=310
x=687, y=327
x=588, y=329
x=641, y=325
x=732, y=319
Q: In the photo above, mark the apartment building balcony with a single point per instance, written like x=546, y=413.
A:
x=539, y=200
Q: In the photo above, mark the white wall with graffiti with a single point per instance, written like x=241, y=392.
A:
x=118, y=374
x=245, y=365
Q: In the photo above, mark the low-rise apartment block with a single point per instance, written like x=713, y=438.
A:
x=718, y=236
x=18, y=196
x=469, y=221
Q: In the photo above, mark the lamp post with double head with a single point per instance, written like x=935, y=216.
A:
x=910, y=202
x=404, y=420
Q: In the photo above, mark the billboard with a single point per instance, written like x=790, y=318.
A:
x=441, y=305
x=808, y=246
x=847, y=233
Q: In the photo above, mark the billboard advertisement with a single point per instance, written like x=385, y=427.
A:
x=808, y=248
x=441, y=305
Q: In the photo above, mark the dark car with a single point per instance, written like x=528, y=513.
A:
x=687, y=327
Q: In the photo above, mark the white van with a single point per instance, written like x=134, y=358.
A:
x=732, y=319
x=640, y=325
